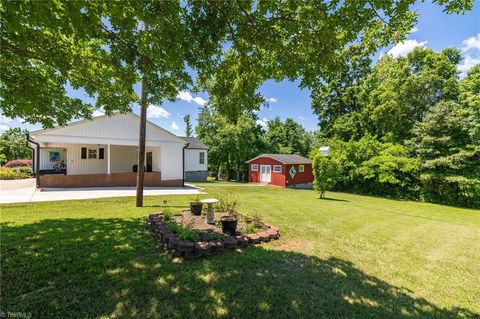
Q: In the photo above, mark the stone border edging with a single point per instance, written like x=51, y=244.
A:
x=198, y=249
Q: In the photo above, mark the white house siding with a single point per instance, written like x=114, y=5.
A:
x=123, y=158
x=171, y=157
x=192, y=160
x=78, y=166
x=121, y=129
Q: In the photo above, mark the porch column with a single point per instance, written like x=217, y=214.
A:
x=109, y=157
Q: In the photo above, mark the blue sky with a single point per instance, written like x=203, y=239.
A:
x=435, y=30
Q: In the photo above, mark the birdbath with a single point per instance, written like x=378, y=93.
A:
x=210, y=213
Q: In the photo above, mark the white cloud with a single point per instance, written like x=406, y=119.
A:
x=271, y=100
x=4, y=127
x=471, y=54
x=472, y=43
x=188, y=97
x=404, y=47
x=263, y=122
x=99, y=112
x=156, y=112
x=413, y=30
x=300, y=117
x=174, y=126
x=468, y=62
x=5, y=120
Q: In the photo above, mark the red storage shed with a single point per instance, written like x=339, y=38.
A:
x=283, y=170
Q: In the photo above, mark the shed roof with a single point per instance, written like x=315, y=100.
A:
x=194, y=143
x=285, y=158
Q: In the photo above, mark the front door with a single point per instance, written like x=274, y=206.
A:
x=265, y=173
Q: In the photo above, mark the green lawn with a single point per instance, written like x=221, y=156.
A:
x=348, y=256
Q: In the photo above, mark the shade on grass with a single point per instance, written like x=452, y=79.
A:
x=350, y=256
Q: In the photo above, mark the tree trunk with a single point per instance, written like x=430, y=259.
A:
x=238, y=172
x=141, y=140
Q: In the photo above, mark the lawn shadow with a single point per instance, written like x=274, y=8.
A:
x=71, y=268
x=335, y=199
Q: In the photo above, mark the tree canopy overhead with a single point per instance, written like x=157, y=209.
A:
x=231, y=46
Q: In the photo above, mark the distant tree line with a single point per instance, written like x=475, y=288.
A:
x=407, y=127
x=13, y=145
x=233, y=141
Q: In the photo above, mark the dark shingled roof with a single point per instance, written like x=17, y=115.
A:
x=286, y=158
x=194, y=143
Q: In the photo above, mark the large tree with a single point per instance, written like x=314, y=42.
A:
x=447, y=142
x=100, y=47
x=388, y=99
x=13, y=145
x=287, y=137
x=230, y=144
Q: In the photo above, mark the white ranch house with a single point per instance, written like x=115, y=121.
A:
x=103, y=152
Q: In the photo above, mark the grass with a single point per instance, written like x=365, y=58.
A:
x=348, y=256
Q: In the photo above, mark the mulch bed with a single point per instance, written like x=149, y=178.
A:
x=205, y=247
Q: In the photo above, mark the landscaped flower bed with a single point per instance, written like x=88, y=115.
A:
x=189, y=236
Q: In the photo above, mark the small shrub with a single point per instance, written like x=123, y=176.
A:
x=327, y=172
x=18, y=163
x=227, y=204
x=213, y=236
x=257, y=220
x=13, y=173
x=196, y=199
x=250, y=228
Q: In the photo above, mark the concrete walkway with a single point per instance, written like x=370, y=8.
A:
x=24, y=191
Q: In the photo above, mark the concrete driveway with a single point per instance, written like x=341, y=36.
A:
x=24, y=191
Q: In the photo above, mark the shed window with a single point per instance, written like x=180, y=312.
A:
x=254, y=167
x=84, y=152
x=202, y=158
x=301, y=168
x=101, y=153
x=92, y=153
x=277, y=168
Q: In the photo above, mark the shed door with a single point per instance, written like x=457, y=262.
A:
x=265, y=173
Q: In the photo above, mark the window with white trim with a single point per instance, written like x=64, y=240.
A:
x=254, y=167
x=301, y=168
x=277, y=168
x=201, y=159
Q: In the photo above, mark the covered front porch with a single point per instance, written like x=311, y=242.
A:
x=98, y=165
x=103, y=152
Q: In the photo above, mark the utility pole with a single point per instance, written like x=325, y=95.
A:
x=141, y=139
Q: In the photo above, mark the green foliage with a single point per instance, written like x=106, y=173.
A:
x=257, y=220
x=287, y=137
x=388, y=98
x=14, y=173
x=327, y=172
x=250, y=228
x=102, y=49
x=187, y=233
x=230, y=143
x=392, y=172
x=447, y=142
x=196, y=199
x=13, y=145
x=188, y=125
x=213, y=236
x=227, y=203
x=406, y=127
x=371, y=166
